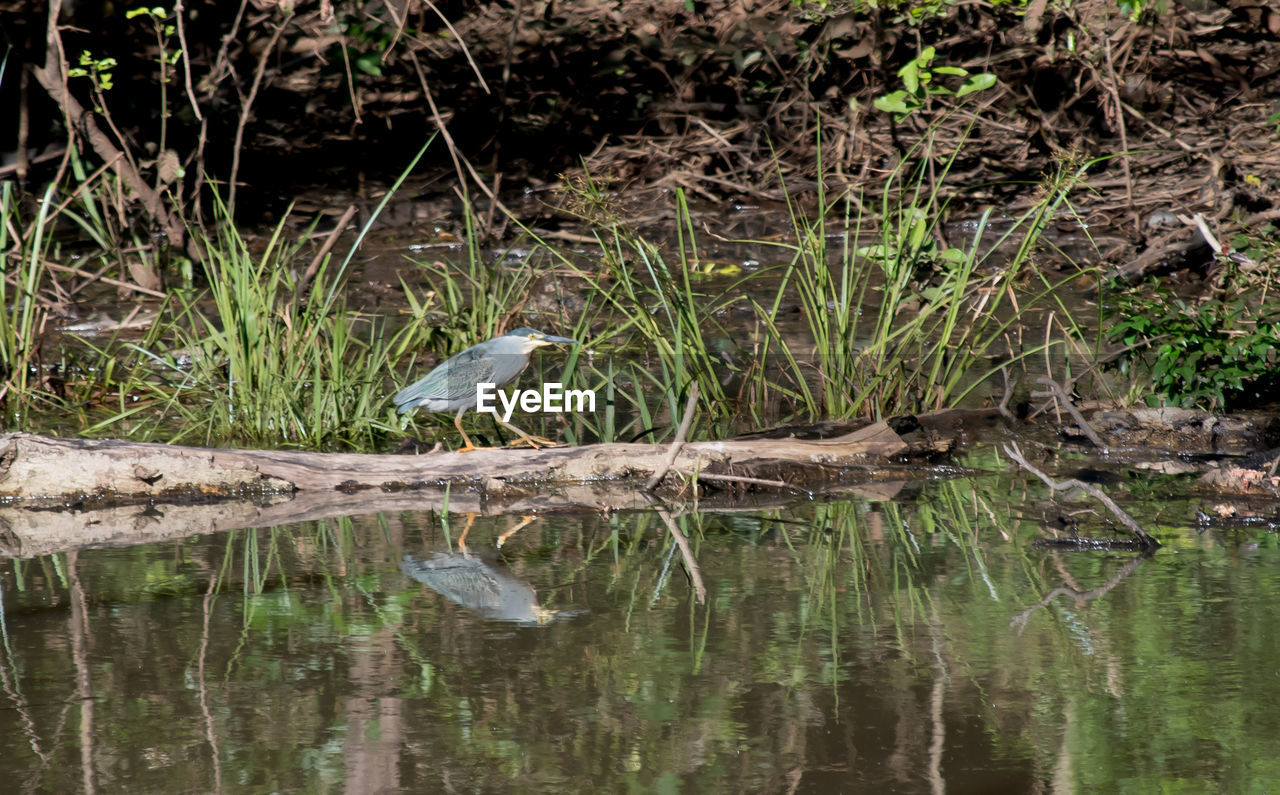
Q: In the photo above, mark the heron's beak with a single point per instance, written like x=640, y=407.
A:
x=544, y=616
x=548, y=339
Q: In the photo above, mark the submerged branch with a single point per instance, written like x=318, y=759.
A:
x=686, y=552
x=1128, y=521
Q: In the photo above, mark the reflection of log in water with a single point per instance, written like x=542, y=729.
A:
x=484, y=587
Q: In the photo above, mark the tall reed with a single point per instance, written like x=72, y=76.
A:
x=655, y=310
x=22, y=318
x=899, y=323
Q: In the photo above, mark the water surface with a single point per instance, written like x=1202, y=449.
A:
x=849, y=645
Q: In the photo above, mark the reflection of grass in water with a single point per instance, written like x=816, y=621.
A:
x=847, y=610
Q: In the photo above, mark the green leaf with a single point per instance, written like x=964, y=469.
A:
x=895, y=102
x=950, y=70
x=910, y=75
x=370, y=64
x=979, y=82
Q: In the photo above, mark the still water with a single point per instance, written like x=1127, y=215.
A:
x=882, y=643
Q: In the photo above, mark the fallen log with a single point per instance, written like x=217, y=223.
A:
x=30, y=529
x=66, y=494
x=78, y=470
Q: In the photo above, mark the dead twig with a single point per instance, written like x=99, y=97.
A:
x=776, y=484
x=458, y=160
x=105, y=280
x=53, y=79
x=683, y=432
x=1013, y=451
x=1111, y=87
x=179, y=15
x=1056, y=391
x=462, y=42
x=245, y=107
x=351, y=83
x=329, y=242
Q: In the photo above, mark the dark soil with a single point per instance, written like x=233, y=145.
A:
x=724, y=99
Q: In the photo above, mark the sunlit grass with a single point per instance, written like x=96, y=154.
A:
x=898, y=323
x=25, y=249
x=249, y=352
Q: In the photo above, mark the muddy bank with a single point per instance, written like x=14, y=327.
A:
x=724, y=99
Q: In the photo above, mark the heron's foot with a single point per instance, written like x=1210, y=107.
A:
x=535, y=442
x=525, y=521
x=467, y=447
x=462, y=539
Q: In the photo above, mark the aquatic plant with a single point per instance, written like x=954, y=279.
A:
x=897, y=321
x=1215, y=354
x=654, y=308
x=22, y=315
x=269, y=364
x=900, y=323
x=268, y=353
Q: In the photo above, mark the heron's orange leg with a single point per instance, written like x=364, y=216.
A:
x=533, y=441
x=457, y=423
x=525, y=521
x=462, y=539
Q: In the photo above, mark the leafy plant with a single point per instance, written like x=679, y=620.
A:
x=922, y=81
x=899, y=322
x=98, y=70
x=166, y=60
x=1213, y=354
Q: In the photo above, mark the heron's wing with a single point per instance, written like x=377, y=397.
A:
x=462, y=372
x=468, y=581
x=453, y=379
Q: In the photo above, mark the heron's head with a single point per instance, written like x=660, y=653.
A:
x=526, y=339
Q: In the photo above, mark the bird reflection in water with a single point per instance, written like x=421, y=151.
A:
x=482, y=586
